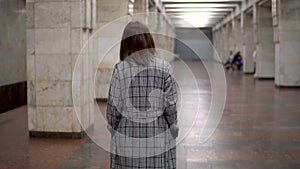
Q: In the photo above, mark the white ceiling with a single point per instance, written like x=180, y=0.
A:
x=198, y=13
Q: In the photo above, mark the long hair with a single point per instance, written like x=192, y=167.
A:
x=138, y=43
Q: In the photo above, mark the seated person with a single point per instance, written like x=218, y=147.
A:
x=237, y=60
x=229, y=60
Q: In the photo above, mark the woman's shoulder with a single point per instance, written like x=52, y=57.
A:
x=162, y=63
x=157, y=62
x=121, y=65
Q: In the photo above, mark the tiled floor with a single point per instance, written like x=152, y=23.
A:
x=260, y=128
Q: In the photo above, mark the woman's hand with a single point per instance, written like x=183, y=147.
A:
x=174, y=130
x=111, y=130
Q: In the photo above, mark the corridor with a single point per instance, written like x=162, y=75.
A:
x=236, y=66
x=259, y=129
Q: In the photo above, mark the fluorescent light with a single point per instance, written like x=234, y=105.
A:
x=201, y=0
x=191, y=23
x=198, y=13
x=195, y=15
x=196, y=21
x=198, y=5
x=198, y=9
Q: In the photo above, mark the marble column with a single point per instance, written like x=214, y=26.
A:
x=153, y=21
x=164, y=30
x=248, y=42
x=287, y=38
x=141, y=7
x=238, y=35
x=263, y=28
x=112, y=17
x=225, y=42
x=170, y=39
x=152, y=17
x=160, y=25
x=217, y=43
x=56, y=32
x=222, y=44
x=231, y=36
x=233, y=41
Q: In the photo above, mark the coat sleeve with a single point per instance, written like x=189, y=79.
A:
x=113, y=102
x=170, y=95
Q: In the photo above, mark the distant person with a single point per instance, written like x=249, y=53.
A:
x=237, y=60
x=228, y=62
x=254, y=55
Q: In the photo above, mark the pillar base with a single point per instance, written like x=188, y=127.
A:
x=72, y=135
x=287, y=87
x=45, y=134
x=256, y=76
x=249, y=73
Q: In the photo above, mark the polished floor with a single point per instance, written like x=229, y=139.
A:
x=260, y=128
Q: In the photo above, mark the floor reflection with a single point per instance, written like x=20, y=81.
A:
x=260, y=128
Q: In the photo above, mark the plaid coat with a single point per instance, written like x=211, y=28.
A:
x=141, y=108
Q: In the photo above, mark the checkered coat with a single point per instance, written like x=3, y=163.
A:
x=141, y=108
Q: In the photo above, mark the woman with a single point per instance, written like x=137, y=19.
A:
x=141, y=110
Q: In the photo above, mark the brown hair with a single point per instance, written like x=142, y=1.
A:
x=136, y=37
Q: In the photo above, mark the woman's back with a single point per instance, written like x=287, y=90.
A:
x=141, y=105
x=142, y=88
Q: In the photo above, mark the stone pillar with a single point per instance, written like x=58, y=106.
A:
x=160, y=32
x=265, y=51
x=152, y=18
x=163, y=35
x=141, y=7
x=13, y=92
x=222, y=44
x=219, y=44
x=287, y=38
x=173, y=39
x=225, y=42
x=234, y=37
x=112, y=15
x=153, y=21
x=248, y=42
x=230, y=36
x=146, y=12
x=238, y=35
x=56, y=32
x=162, y=43
x=168, y=38
x=216, y=43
